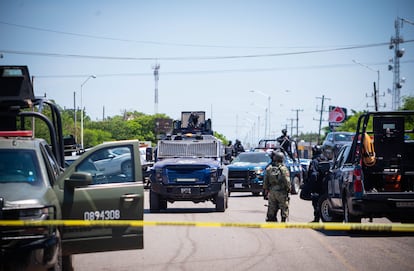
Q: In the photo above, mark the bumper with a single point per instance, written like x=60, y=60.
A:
x=197, y=193
x=396, y=206
x=253, y=186
x=30, y=253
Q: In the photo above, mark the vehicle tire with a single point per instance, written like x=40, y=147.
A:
x=58, y=266
x=220, y=200
x=163, y=204
x=325, y=211
x=349, y=218
x=295, y=185
x=67, y=263
x=154, y=202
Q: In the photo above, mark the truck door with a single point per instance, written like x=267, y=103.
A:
x=110, y=195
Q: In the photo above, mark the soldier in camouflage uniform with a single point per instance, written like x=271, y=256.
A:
x=277, y=187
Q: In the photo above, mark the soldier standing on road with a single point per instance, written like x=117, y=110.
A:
x=277, y=187
x=315, y=180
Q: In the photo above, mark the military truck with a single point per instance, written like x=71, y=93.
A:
x=34, y=186
x=374, y=175
x=189, y=165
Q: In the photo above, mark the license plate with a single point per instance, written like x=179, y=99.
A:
x=238, y=185
x=186, y=180
x=403, y=204
x=186, y=190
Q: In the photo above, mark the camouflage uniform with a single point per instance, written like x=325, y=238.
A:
x=277, y=186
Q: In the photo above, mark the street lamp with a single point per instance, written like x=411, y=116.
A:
x=89, y=77
x=267, y=124
x=378, y=80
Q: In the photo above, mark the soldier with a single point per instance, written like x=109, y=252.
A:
x=315, y=175
x=277, y=187
x=238, y=148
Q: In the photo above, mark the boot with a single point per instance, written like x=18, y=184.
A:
x=271, y=219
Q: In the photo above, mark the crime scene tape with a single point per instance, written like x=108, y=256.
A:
x=382, y=227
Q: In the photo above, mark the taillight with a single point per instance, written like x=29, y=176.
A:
x=358, y=187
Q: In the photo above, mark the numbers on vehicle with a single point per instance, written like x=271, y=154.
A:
x=102, y=215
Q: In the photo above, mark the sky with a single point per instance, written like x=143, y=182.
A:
x=255, y=67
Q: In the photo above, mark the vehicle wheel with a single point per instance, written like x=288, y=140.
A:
x=58, y=266
x=221, y=200
x=163, y=204
x=295, y=186
x=154, y=202
x=325, y=211
x=67, y=263
x=348, y=218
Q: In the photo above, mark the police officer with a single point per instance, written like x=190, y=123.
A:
x=277, y=187
x=315, y=176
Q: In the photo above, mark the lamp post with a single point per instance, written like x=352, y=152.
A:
x=378, y=81
x=267, y=123
x=89, y=77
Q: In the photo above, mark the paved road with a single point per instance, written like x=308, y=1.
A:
x=211, y=248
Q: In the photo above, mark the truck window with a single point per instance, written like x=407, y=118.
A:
x=109, y=165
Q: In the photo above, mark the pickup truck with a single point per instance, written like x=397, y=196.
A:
x=36, y=186
x=373, y=176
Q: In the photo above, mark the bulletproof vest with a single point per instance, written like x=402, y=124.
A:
x=275, y=177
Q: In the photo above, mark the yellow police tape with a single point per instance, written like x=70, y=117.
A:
x=383, y=227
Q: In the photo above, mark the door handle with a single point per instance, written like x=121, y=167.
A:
x=130, y=197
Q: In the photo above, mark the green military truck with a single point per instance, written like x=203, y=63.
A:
x=36, y=186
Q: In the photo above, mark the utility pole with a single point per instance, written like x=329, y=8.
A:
x=297, y=120
x=291, y=126
x=398, y=53
x=74, y=116
x=156, y=67
x=321, y=111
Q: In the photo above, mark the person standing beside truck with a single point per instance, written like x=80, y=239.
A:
x=277, y=187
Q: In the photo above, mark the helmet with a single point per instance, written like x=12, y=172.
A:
x=278, y=156
x=284, y=131
x=316, y=150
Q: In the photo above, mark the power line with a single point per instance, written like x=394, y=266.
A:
x=160, y=43
x=194, y=57
x=330, y=66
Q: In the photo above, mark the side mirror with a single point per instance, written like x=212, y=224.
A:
x=79, y=179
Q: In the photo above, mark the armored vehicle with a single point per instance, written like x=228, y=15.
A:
x=188, y=165
x=35, y=186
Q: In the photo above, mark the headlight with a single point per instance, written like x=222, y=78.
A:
x=38, y=213
x=213, y=175
x=158, y=175
x=259, y=170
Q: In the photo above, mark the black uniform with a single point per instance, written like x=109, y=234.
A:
x=315, y=179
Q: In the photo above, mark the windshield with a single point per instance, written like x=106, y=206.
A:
x=252, y=158
x=344, y=137
x=19, y=166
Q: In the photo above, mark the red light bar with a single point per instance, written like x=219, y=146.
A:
x=25, y=133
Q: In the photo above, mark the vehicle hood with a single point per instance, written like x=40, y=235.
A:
x=187, y=161
x=20, y=195
x=246, y=165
